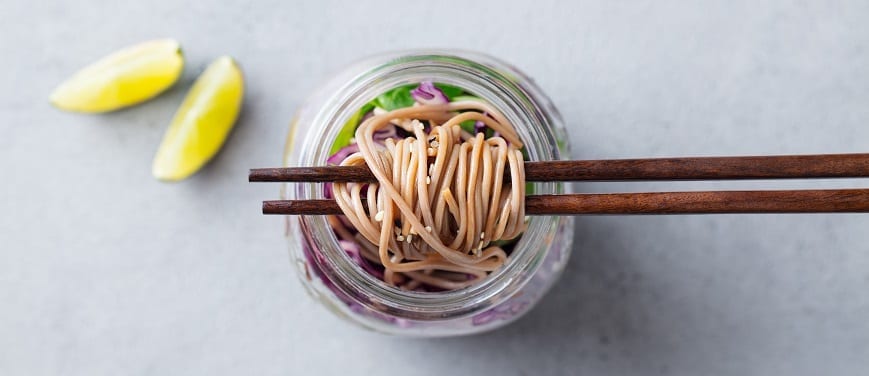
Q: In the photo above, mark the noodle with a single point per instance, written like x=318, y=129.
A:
x=441, y=200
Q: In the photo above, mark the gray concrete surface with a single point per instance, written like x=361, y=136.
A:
x=104, y=271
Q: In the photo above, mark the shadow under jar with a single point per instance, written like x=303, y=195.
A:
x=332, y=277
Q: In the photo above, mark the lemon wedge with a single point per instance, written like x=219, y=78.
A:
x=124, y=78
x=202, y=123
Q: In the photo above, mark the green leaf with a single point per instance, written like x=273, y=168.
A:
x=450, y=91
x=395, y=98
x=529, y=187
x=462, y=98
x=349, y=130
x=468, y=126
x=504, y=242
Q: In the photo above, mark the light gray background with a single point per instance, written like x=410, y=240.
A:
x=104, y=271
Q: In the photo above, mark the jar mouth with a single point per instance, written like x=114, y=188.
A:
x=520, y=104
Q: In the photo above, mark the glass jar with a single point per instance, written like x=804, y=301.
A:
x=334, y=279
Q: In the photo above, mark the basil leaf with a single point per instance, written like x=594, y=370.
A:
x=396, y=98
x=529, y=186
x=462, y=98
x=349, y=130
x=450, y=91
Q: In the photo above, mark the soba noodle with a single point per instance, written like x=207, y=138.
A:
x=441, y=202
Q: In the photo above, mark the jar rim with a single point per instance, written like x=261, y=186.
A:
x=523, y=105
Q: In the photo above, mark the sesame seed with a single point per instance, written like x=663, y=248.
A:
x=409, y=237
x=435, y=144
x=428, y=180
x=399, y=238
x=379, y=216
x=482, y=235
x=428, y=228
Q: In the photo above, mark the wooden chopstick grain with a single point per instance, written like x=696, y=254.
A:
x=691, y=168
x=702, y=202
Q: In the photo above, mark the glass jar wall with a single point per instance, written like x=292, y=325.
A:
x=332, y=277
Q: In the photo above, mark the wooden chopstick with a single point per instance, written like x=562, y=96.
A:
x=699, y=168
x=711, y=202
x=696, y=168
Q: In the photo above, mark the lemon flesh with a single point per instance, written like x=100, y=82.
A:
x=202, y=123
x=124, y=78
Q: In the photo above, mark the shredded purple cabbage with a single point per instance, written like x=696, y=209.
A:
x=327, y=190
x=389, y=131
x=314, y=268
x=354, y=252
x=428, y=93
x=502, y=312
x=341, y=154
